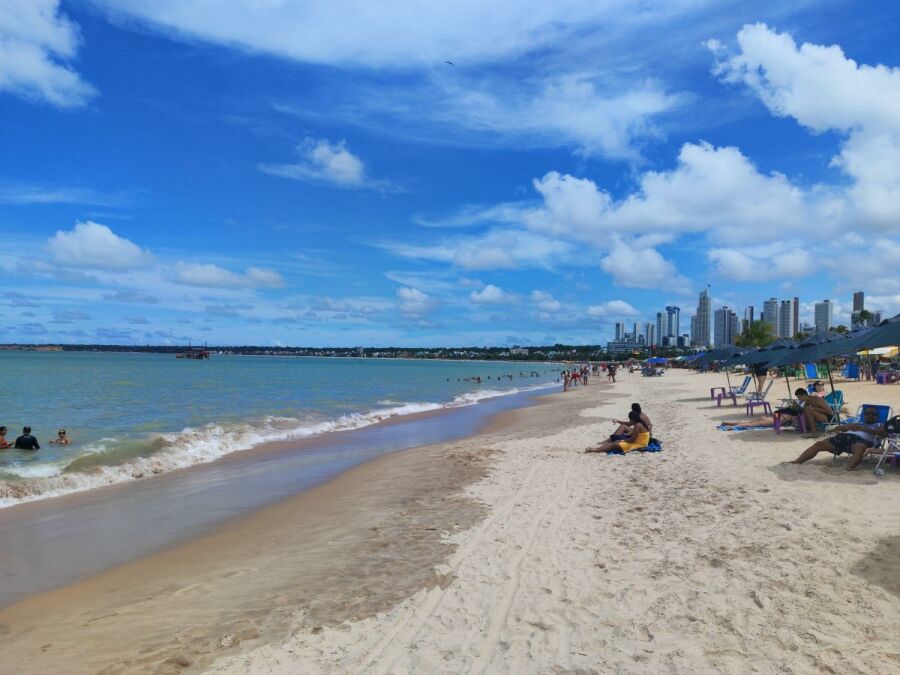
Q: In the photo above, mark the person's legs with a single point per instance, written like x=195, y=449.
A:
x=761, y=421
x=859, y=451
x=623, y=429
x=819, y=446
x=604, y=447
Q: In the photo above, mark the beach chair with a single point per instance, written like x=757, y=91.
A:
x=851, y=372
x=737, y=391
x=885, y=412
x=810, y=371
x=733, y=393
x=758, y=398
x=890, y=445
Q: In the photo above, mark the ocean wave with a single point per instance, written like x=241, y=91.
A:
x=111, y=460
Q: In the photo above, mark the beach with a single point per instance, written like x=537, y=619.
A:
x=513, y=551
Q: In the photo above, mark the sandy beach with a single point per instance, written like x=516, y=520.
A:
x=512, y=551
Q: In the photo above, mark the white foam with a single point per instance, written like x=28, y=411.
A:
x=206, y=444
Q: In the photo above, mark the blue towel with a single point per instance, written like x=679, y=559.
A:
x=655, y=446
x=722, y=428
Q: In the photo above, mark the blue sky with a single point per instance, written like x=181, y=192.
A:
x=317, y=174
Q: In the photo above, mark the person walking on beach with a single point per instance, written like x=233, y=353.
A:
x=852, y=438
x=4, y=444
x=611, y=372
x=26, y=441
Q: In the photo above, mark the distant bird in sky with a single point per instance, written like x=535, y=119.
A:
x=450, y=63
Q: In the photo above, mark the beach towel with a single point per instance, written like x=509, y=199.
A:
x=722, y=428
x=654, y=446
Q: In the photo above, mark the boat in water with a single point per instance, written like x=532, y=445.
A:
x=193, y=353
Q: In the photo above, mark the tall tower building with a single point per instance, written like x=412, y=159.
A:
x=661, y=327
x=673, y=322
x=700, y=326
x=796, y=313
x=620, y=331
x=749, y=315
x=650, y=334
x=786, y=315
x=859, y=301
x=726, y=327
x=824, y=313
x=770, y=314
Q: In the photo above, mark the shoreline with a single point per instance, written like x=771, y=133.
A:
x=15, y=493
x=327, y=536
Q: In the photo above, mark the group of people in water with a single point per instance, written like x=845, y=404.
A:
x=28, y=442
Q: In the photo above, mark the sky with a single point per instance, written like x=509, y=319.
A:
x=439, y=174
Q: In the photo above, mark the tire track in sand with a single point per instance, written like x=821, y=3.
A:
x=488, y=647
x=414, y=619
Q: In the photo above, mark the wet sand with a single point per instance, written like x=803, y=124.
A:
x=341, y=551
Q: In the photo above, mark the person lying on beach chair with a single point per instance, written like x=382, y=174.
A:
x=853, y=438
x=813, y=408
x=624, y=428
x=640, y=437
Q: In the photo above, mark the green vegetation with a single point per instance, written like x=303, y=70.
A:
x=757, y=334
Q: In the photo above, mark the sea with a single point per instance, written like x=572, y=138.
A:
x=133, y=415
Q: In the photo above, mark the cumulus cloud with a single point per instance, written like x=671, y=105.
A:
x=761, y=264
x=612, y=309
x=213, y=276
x=415, y=302
x=545, y=301
x=324, y=162
x=37, y=43
x=491, y=295
x=825, y=91
x=91, y=245
x=638, y=267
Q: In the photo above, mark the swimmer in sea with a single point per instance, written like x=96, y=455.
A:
x=4, y=444
x=61, y=438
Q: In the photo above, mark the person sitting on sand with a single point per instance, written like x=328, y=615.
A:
x=4, y=444
x=813, y=409
x=61, y=438
x=640, y=437
x=625, y=425
x=26, y=441
x=852, y=438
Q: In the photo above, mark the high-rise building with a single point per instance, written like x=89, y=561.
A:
x=673, y=322
x=700, y=322
x=876, y=319
x=786, y=317
x=859, y=301
x=661, y=328
x=824, y=314
x=638, y=328
x=749, y=315
x=620, y=330
x=770, y=314
x=726, y=327
x=796, y=320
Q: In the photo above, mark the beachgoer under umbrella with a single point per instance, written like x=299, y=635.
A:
x=854, y=439
x=640, y=438
x=813, y=409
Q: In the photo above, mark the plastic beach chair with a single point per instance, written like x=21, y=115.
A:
x=885, y=412
x=851, y=372
x=810, y=371
x=890, y=445
x=758, y=398
x=737, y=391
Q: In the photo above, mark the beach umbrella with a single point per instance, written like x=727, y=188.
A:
x=764, y=355
x=885, y=334
x=820, y=346
x=722, y=354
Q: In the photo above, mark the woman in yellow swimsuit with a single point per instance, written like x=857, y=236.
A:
x=640, y=437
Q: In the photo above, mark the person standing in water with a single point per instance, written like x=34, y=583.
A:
x=61, y=438
x=26, y=441
x=4, y=444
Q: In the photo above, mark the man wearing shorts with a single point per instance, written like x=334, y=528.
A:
x=854, y=439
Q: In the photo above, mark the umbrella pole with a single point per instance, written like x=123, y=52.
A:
x=727, y=378
x=787, y=381
x=837, y=411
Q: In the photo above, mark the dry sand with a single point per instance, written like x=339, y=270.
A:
x=708, y=557
x=513, y=551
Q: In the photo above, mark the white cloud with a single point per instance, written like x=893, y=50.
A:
x=641, y=268
x=91, y=245
x=612, y=309
x=545, y=301
x=36, y=44
x=415, y=302
x=826, y=91
x=323, y=162
x=213, y=276
x=491, y=295
x=497, y=249
x=762, y=264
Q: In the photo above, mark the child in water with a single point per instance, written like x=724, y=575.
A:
x=61, y=438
